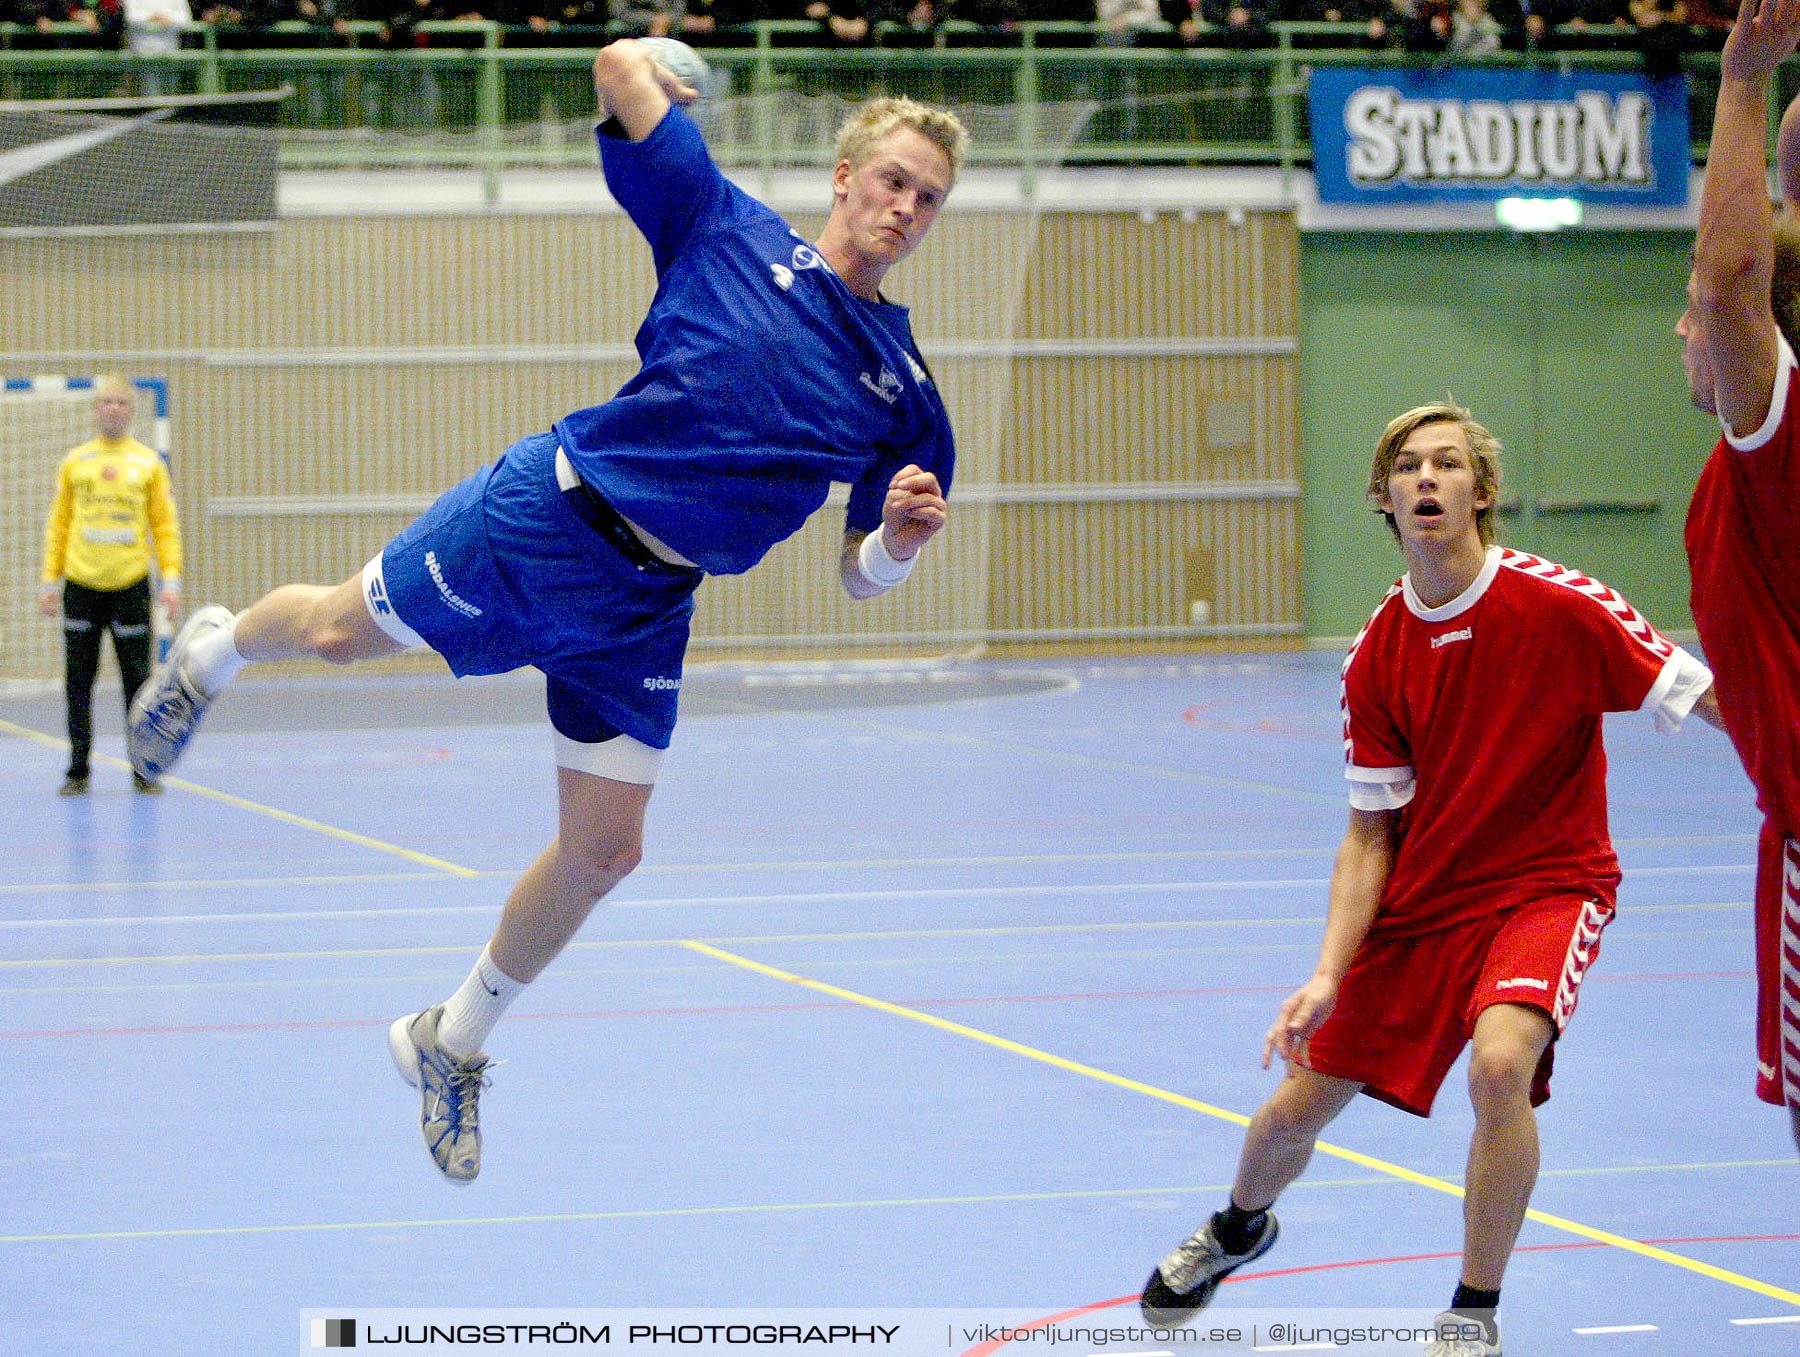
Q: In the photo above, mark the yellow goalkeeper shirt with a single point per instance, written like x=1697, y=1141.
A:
x=112, y=504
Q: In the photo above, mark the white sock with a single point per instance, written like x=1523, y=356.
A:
x=471, y=1013
x=212, y=660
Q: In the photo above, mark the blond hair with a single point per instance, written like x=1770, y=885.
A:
x=878, y=117
x=114, y=384
x=1484, y=452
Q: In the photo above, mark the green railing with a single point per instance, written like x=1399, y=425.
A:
x=1156, y=105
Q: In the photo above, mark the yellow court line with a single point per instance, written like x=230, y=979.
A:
x=257, y=808
x=1239, y=1119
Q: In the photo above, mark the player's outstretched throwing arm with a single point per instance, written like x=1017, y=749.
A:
x=635, y=89
x=911, y=515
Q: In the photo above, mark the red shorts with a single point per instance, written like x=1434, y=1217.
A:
x=1407, y=1005
x=1778, y=968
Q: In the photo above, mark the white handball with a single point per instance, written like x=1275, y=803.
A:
x=685, y=64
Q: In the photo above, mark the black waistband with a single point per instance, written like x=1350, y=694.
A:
x=610, y=524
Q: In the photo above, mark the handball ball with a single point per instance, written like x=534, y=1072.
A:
x=683, y=62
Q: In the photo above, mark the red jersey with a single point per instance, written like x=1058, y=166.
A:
x=1743, y=545
x=1480, y=722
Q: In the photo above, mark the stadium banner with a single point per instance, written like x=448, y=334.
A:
x=1445, y=135
x=138, y=164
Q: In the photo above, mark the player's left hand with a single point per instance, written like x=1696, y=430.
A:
x=170, y=603
x=1763, y=37
x=913, y=512
x=1301, y=1015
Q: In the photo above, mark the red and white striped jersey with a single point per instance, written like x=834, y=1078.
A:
x=1480, y=722
x=1743, y=544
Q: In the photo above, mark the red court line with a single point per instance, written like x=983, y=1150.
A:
x=994, y=1345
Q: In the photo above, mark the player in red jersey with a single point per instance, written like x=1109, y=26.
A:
x=1743, y=530
x=1471, y=888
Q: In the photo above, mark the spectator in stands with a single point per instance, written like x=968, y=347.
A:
x=1421, y=25
x=1529, y=24
x=999, y=16
x=702, y=20
x=1599, y=16
x=842, y=23
x=327, y=25
x=240, y=16
x=153, y=29
x=1373, y=15
x=908, y=23
x=1662, y=34
x=105, y=19
x=1123, y=23
x=1221, y=23
x=656, y=19
x=1474, y=32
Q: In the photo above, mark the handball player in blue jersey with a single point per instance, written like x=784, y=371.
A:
x=771, y=367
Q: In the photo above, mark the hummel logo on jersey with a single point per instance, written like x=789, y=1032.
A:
x=1524, y=982
x=1466, y=634
x=784, y=276
x=888, y=388
x=378, y=597
x=920, y=376
x=805, y=257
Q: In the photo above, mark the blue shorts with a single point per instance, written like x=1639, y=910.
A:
x=503, y=572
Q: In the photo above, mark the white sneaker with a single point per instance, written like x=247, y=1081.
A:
x=168, y=708
x=1183, y=1283
x=450, y=1092
x=1462, y=1336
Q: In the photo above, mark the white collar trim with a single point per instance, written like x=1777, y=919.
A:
x=1467, y=599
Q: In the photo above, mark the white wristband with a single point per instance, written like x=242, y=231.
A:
x=879, y=567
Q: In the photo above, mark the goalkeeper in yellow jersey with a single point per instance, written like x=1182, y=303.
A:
x=112, y=509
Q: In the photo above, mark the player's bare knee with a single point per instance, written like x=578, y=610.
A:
x=1290, y=1117
x=600, y=864
x=1500, y=1074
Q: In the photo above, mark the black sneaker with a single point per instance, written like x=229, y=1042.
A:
x=145, y=786
x=1184, y=1282
x=73, y=786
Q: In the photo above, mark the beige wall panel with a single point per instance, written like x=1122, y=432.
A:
x=1130, y=564
x=1120, y=277
x=1133, y=420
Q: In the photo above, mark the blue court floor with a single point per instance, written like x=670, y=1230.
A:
x=936, y=989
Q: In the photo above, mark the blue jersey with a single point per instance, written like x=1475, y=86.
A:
x=764, y=377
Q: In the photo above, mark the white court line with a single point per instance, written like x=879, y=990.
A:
x=1770, y=1319
x=449, y=911
x=1619, y=1328
x=734, y=869
x=1109, y=889
x=1324, y=851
